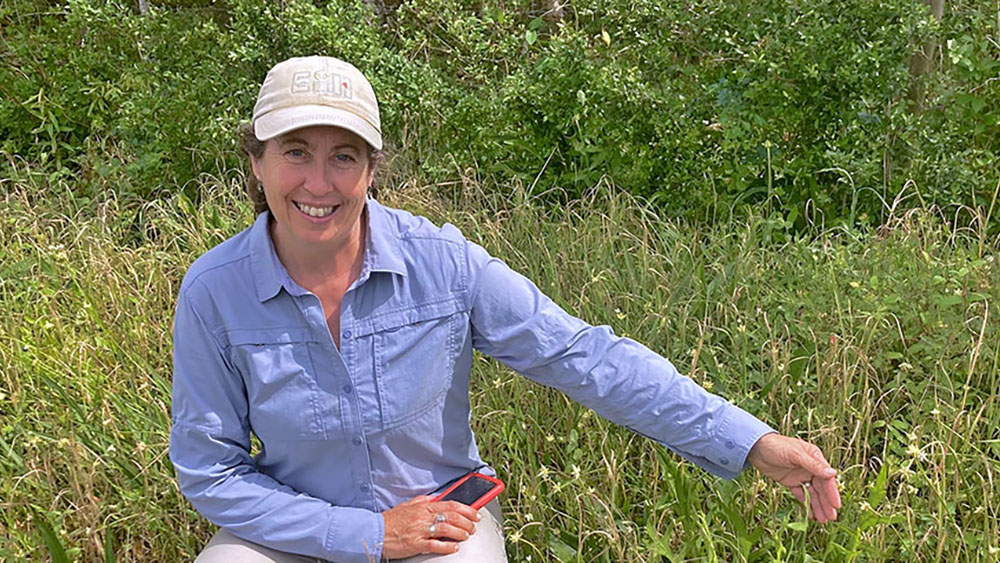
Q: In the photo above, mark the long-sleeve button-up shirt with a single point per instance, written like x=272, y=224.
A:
x=346, y=434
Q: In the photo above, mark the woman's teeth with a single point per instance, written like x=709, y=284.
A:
x=314, y=211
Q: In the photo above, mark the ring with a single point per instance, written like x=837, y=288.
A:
x=432, y=529
x=440, y=517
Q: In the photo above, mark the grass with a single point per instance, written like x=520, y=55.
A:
x=882, y=347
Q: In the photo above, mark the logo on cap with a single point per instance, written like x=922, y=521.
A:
x=322, y=82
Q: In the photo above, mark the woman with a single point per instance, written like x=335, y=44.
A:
x=341, y=333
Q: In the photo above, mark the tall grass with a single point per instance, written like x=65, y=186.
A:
x=882, y=347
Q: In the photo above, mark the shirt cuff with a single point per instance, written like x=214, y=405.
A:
x=733, y=441
x=355, y=536
x=726, y=452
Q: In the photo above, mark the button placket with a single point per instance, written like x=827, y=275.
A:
x=351, y=397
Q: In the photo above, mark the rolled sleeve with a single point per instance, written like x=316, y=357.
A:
x=210, y=450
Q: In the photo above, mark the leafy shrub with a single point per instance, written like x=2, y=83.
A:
x=700, y=106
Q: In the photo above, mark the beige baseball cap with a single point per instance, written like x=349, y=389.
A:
x=306, y=91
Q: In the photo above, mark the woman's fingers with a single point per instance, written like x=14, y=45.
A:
x=466, y=511
x=420, y=525
x=822, y=507
x=817, y=506
x=828, y=488
x=451, y=532
x=440, y=547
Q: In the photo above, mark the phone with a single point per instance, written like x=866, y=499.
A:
x=474, y=489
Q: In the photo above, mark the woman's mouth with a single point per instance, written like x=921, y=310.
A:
x=318, y=212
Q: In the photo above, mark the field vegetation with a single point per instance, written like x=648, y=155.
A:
x=761, y=191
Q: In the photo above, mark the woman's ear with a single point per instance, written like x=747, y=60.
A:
x=255, y=167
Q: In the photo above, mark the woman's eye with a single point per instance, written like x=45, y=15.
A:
x=344, y=158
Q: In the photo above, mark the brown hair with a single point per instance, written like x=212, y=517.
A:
x=252, y=146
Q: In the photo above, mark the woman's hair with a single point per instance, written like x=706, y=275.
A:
x=254, y=147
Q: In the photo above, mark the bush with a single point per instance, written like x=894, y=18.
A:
x=700, y=107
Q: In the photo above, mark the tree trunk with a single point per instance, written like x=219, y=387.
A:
x=922, y=62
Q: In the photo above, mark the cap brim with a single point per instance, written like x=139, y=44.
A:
x=281, y=121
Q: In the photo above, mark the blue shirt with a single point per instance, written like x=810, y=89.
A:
x=346, y=434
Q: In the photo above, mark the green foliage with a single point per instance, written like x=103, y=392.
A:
x=955, y=153
x=700, y=107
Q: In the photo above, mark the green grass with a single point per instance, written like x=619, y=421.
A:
x=882, y=347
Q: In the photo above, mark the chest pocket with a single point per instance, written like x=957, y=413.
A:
x=414, y=354
x=280, y=380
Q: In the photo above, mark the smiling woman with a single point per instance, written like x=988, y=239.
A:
x=315, y=181
x=341, y=333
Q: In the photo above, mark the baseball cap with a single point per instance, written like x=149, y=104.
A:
x=306, y=91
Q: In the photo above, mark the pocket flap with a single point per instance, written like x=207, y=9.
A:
x=266, y=336
x=394, y=320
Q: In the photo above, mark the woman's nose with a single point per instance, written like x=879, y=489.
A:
x=320, y=178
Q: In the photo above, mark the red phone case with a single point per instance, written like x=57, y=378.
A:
x=498, y=487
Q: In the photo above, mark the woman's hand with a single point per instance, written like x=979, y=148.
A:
x=801, y=467
x=408, y=528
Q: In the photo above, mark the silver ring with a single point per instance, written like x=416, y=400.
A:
x=439, y=517
x=432, y=528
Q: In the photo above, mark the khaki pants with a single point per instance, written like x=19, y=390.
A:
x=485, y=546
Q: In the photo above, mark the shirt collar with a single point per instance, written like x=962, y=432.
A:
x=382, y=253
x=267, y=269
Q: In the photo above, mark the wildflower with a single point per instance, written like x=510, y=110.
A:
x=575, y=471
x=550, y=438
x=935, y=412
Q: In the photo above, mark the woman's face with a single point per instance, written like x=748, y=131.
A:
x=315, y=180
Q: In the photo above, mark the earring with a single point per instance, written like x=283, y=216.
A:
x=260, y=187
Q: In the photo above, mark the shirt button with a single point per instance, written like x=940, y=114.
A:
x=347, y=389
x=356, y=441
x=365, y=487
x=730, y=444
x=347, y=334
x=724, y=461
